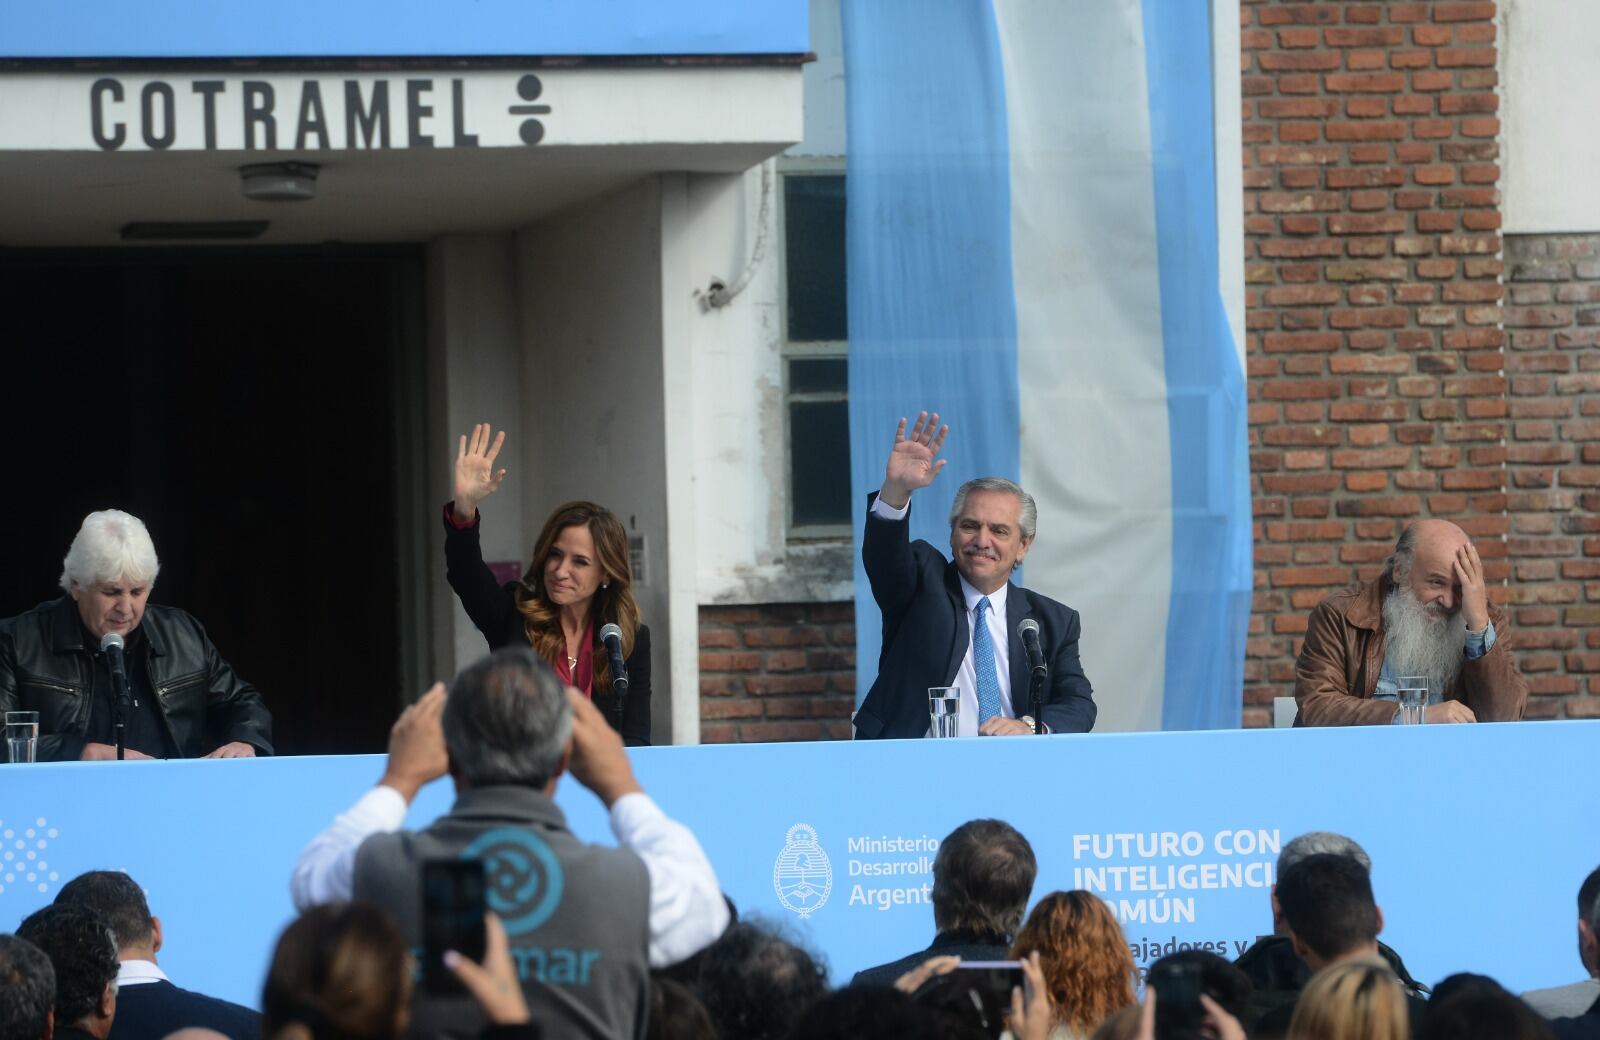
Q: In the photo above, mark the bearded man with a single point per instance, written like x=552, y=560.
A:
x=1427, y=614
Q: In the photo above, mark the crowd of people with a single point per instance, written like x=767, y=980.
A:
x=638, y=940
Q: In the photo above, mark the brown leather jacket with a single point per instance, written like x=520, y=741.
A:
x=1337, y=671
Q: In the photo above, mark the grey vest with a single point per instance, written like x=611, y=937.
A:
x=577, y=915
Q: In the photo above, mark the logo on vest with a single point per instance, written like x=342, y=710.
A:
x=802, y=875
x=523, y=877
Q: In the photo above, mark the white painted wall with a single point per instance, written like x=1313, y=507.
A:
x=740, y=452
x=474, y=366
x=1549, y=62
x=593, y=387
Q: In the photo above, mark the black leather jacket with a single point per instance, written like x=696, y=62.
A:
x=47, y=666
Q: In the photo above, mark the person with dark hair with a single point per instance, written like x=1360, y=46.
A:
x=29, y=984
x=958, y=622
x=1220, y=978
x=1332, y=918
x=982, y=877
x=1577, y=998
x=149, y=1006
x=1427, y=614
x=344, y=972
x=755, y=983
x=676, y=1013
x=1276, y=971
x=578, y=582
x=83, y=953
x=1476, y=1007
x=587, y=922
x=879, y=1012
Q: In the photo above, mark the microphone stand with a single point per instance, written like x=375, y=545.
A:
x=1036, y=700
x=619, y=692
x=119, y=710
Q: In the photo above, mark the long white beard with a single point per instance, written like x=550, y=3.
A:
x=1418, y=642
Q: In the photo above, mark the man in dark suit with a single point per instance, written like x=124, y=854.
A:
x=982, y=876
x=149, y=1006
x=957, y=623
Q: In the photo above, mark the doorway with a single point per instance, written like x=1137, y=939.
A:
x=258, y=410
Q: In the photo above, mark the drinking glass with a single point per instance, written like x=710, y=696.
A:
x=22, y=735
x=1413, y=697
x=944, y=711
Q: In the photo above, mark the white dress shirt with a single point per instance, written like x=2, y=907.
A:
x=135, y=973
x=687, y=910
x=967, y=675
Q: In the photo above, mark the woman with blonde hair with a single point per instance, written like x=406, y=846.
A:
x=1355, y=1000
x=1087, y=968
x=578, y=583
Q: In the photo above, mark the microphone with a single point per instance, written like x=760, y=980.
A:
x=611, y=636
x=1029, y=631
x=111, y=646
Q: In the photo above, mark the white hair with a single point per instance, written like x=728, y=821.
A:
x=110, y=546
x=1028, y=521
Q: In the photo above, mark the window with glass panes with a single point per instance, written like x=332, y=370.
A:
x=815, y=343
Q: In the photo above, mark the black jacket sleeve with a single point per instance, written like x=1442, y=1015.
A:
x=234, y=708
x=490, y=606
x=1069, y=706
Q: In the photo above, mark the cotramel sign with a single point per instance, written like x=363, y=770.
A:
x=342, y=111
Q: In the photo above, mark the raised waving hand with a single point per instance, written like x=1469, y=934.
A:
x=476, y=477
x=913, y=462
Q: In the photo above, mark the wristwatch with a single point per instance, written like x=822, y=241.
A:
x=1027, y=720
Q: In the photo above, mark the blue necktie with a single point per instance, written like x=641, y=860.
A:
x=983, y=664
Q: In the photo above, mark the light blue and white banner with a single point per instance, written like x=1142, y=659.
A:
x=1041, y=248
x=1476, y=870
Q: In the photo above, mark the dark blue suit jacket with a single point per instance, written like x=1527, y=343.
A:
x=151, y=1010
x=925, y=636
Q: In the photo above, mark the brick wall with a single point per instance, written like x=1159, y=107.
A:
x=1553, y=457
x=1373, y=299
x=781, y=671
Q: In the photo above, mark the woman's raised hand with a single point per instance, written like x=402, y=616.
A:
x=476, y=477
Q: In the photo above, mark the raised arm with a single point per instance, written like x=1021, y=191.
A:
x=486, y=603
x=476, y=477
x=912, y=460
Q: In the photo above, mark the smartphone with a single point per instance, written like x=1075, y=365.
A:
x=1179, y=1015
x=993, y=977
x=452, y=919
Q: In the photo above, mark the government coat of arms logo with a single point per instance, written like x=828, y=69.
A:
x=802, y=875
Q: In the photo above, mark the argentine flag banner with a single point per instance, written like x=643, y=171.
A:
x=1045, y=245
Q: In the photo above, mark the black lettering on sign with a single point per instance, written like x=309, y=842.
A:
x=312, y=119
x=208, y=89
x=147, y=115
x=97, y=114
x=375, y=117
x=458, y=108
x=258, y=104
x=416, y=112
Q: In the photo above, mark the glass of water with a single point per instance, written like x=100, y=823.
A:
x=22, y=735
x=944, y=711
x=1413, y=697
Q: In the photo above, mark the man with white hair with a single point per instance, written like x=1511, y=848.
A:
x=184, y=700
x=1428, y=614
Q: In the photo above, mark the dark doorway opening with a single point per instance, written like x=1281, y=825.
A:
x=249, y=407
